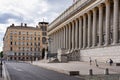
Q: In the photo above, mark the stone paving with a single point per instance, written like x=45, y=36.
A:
x=83, y=67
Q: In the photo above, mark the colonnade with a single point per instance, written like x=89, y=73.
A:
x=95, y=28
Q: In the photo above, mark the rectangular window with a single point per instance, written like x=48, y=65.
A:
x=38, y=49
x=35, y=38
x=44, y=33
x=30, y=49
x=34, y=49
x=15, y=54
x=38, y=43
x=19, y=54
x=11, y=49
x=15, y=43
x=19, y=33
x=10, y=43
x=10, y=37
x=27, y=33
x=39, y=38
x=19, y=48
x=23, y=48
x=31, y=43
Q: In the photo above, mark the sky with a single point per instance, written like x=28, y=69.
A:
x=30, y=12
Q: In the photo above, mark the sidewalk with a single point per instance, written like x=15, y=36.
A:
x=82, y=67
x=1, y=79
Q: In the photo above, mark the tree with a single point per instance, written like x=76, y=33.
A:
x=43, y=53
x=1, y=54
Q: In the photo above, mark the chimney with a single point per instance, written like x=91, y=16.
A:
x=36, y=26
x=21, y=24
x=12, y=25
x=25, y=25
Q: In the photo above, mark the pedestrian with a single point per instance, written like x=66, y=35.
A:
x=111, y=62
x=90, y=60
x=96, y=63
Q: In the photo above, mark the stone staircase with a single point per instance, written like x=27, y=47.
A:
x=74, y=55
x=64, y=55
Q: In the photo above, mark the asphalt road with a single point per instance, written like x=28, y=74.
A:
x=25, y=71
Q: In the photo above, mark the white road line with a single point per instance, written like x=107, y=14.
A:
x=18, y=69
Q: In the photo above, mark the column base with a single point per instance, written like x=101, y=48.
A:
x=99, y=45
x=114, y=43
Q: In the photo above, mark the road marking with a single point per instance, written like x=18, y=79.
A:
x=18, y=69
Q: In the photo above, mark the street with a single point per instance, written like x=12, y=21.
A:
x=26, y=71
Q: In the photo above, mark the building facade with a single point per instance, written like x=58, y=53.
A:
x=24, y=42
x=88, y=28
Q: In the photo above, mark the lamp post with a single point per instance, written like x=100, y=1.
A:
x=46, y=52
x=49, y=41
x=31, y=57
x=46, y=48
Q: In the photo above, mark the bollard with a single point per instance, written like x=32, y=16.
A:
x=106, y=71
x=90, y=72
x=1, y=69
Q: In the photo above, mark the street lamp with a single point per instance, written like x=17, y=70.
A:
x=31, y=57
x=46, y=53
x=49, y=40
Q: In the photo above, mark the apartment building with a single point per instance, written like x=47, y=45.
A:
x=25, y=42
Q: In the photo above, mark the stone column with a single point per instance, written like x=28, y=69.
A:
x=51, y=45
x=94, y=33
x=107, y=30
x=76, y=35
x=64, y=36
x=54, y=43
x=73, y=36
x=89, y=29
x=84, y=31
x=69, y=36
x=80, y=33
x=100, y=24
x=60, y=37
x=116, y=21
x=57, y=41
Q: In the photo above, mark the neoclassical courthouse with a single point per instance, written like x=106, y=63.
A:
x=88, y=28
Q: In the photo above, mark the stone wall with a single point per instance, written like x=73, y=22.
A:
x=102, y=54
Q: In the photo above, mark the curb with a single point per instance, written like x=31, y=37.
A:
x=6, y=75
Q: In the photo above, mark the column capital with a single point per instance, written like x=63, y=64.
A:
x=80, y=18
x=89, y=13
x=94, y=10
x=116, y=1
x=100, y=6
x=85, y=14
x=107, y=2
x=73, y=22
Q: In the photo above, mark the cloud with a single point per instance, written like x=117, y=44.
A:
x=5, y=17
x=29, y=11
